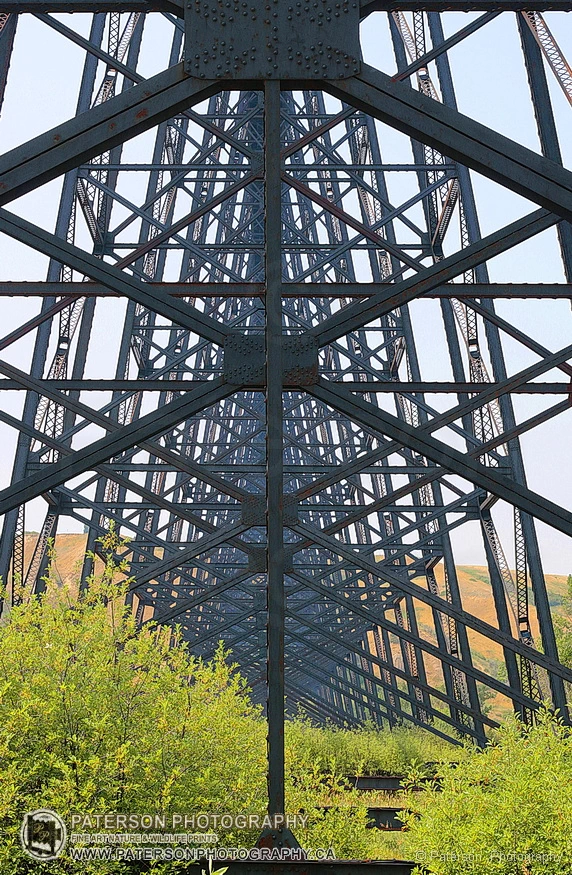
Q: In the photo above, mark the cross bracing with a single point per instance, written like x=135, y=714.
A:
x=262, y=431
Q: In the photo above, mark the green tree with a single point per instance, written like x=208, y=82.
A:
x=98, y=716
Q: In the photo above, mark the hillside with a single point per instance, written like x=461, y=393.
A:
x=475, y=589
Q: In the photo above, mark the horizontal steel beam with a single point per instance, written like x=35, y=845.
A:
x=92, y=6
x=369, y=6
x=388, y=387
x=436, y=388
x=447, y=290
x=534, y=291
x=90, y=290
x=114, y=385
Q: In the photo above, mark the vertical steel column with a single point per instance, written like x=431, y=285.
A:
x=274, y=449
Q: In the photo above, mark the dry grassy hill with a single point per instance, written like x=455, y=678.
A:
x=475, y=589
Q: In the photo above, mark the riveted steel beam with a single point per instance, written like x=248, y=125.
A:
x=526, y=291
x=448, y=457
x=367, y=7
x=358, y=314
x=111, y=123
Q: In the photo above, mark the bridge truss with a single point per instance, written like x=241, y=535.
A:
x=263, y=435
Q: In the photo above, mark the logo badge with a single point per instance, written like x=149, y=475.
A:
x=43, y=834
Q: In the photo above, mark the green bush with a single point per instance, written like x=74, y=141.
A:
x=365, y=751
x=506, y=810
x=96, y=716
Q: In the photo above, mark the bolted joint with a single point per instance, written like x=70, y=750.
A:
x=254, y=510
x=257, y=561
x=232, y=39
x=245, y=360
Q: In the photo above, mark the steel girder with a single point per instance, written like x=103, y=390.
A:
x=268, y=260
x=367, y=6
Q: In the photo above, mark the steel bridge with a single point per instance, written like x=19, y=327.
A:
x=262, y=434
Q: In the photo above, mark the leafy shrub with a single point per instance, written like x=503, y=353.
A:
x=365, y=751
x=506, y=810
x=97, y=716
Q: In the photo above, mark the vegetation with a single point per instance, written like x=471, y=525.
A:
x=504, y=811
x=95, y=716
x=367, y=751
x=563, y=627
x=99, y=716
